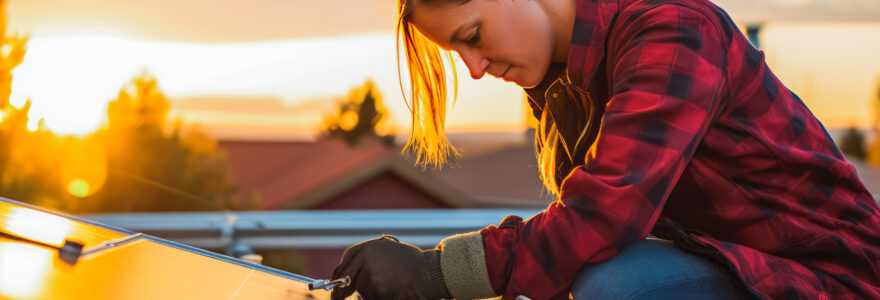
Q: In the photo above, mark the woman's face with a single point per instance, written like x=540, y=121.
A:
x=510, y=39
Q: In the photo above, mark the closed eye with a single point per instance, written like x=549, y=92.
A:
x=474, y=40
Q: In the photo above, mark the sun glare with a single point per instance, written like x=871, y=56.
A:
x=38, y=226
x=23, y=270
x=70, y=80
x=33, y=124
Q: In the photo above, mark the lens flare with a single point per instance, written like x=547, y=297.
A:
x=79, y=187
x=84, y=171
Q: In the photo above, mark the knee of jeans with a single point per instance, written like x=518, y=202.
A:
x=620, y=277
x=600, y=283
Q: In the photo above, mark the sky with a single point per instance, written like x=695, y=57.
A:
x=270, y=69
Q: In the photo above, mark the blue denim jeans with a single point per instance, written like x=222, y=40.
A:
x=655, y=269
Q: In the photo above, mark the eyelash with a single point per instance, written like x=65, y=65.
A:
x=475, y=39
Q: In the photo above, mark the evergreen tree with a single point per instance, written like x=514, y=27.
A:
x=360, y=114
x=13, y=49
x=153, y=167
x=23, y=168
x=137, y=162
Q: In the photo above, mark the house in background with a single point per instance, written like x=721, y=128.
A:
x=330, y=174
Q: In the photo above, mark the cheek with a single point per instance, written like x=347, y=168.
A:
x=534, y=50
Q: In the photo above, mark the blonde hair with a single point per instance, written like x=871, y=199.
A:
x=428, y=85
x=429, y=92
x=547, y=154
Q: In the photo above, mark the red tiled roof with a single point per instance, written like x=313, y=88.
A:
x=291, y=174
x=284, y=171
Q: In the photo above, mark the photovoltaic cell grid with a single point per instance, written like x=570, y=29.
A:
x=144, y=267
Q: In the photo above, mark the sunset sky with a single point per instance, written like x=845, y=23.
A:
x=271, y=68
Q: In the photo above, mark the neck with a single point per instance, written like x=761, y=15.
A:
x=562, y=14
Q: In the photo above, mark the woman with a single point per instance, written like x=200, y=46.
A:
x=657, y=117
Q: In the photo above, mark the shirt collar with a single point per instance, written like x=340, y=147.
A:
x=587, y=48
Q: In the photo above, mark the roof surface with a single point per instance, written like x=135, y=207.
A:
x=302, y=175
x=284, y=171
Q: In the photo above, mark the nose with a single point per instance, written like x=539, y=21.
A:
x=475, y=63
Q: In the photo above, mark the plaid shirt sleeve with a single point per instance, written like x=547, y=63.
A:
x=668, y=75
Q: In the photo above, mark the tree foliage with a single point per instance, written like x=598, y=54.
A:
x=24, y=163
x=12, y=51
x=361, y=114
x=137, y=162
x=22, y=167
x=153, y=166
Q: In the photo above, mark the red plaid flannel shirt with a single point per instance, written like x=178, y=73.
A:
x=695, y=140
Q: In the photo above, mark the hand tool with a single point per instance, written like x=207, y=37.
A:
x=345, y=281
x=329, y=284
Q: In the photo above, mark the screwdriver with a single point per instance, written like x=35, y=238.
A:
x=345, y=281
x=329, y=284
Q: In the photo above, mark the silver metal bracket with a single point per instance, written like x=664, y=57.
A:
x=111, y=243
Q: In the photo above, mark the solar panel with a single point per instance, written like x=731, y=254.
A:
x=121, y=264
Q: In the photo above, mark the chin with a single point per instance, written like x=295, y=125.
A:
x=527, y=84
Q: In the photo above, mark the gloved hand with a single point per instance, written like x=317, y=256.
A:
x=385, y=268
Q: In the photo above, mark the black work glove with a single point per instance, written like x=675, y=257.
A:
x=384, y=268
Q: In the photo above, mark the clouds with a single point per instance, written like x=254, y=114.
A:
x=225, y=21
x=204, y=21
x=253, y=117
x=254, y=105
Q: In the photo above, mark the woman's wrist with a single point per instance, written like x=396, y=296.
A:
x=463, y=263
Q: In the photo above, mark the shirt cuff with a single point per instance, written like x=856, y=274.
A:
x=463, y=263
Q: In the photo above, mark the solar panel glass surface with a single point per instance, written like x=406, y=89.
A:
x=144, y=268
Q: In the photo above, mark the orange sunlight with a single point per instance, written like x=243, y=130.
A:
x=85, y=170
x=70, y=79
x=70, y=86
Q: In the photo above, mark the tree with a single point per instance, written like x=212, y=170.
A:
x=13, y=50
x=25, y=167
x=153, y=166
x=23, y=170
x=360, y=114
x=137, y=162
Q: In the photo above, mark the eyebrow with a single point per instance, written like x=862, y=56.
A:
x=459, y=29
